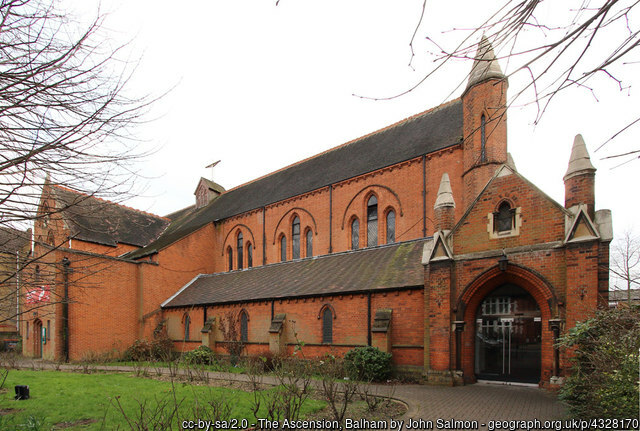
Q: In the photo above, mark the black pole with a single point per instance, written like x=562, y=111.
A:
x=264, y=237
x=424, y=196
x=65, y=308
x=331, y=218
x=369, y=318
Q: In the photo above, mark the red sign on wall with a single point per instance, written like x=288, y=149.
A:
x=39, y=294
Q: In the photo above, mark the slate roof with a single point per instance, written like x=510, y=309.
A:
x=384, y=267
x=430, y=131
x=12, y=240
x=99, y=221
x=622, y=295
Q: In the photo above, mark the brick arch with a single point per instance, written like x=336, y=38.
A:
x=368, y=195
x=233, y=229
x=508, y=200
x=245, y=312
x=330, y=307
x=529, y=280
x=471, y=298
x=293, y=210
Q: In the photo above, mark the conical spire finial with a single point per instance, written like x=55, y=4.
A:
x=445, y=195
x=580, y=162
x=485, y=65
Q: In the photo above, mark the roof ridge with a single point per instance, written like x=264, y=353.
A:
x=384, y=129
x=110, y=202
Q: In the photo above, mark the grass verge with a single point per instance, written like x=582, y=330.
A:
x=74, y=401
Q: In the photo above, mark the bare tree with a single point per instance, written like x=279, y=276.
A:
x=625, y=262
x=231, y=334
x=63, y=110
x=555, y=45
x=65, y=120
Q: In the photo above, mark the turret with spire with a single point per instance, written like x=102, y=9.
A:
x=484, y=104
x=579, y=181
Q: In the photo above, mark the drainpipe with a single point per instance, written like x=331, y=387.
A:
x=424, y=196
x=368, y=318
x=65, y=308
x=264, y=238
x=331, y=218
x=18, y=292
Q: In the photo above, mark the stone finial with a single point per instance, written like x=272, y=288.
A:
x=580, y=162
x=445, y=195
x=485, y=65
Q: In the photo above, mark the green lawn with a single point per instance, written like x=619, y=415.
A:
x=58, y=397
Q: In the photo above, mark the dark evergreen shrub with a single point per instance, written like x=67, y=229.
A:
x=202, y=356
x=368, y=364
x=603, y=380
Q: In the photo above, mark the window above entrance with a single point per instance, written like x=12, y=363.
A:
x=505, y=221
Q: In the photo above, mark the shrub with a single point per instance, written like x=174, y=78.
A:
x=140, y=350
x=202, y=356
x=603, y=381
x=367, y=363
x=162, y=348
x=143, y=350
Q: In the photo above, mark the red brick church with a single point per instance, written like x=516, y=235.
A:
x=421, y=239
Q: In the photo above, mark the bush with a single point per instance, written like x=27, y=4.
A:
x=202, y=356
x=603, y=381
x=367, y=363
x=143, y=350
x=140, y=350
x=162, y=348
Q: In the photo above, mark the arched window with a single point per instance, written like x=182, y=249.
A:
x=249, y=255
x=240, y=249
x=372, y=222
x=355, y=234
x=503, y=219
x=187, y=323
x=230, y=256
x=295, y=238
x=283, y=248
x=483, y=139
x=244, y=326
x=327, y=326
x=391, y=227
x=309, y=241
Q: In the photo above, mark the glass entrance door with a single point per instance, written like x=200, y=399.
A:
x=508, y=336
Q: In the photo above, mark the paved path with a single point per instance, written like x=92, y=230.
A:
x=479, y=402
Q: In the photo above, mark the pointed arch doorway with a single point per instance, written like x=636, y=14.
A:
x=508, y=336
x=37, y=338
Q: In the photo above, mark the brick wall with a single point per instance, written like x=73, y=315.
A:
x=303, y=327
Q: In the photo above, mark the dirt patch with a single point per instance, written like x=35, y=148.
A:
x=9, y=411
x=65, y=425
